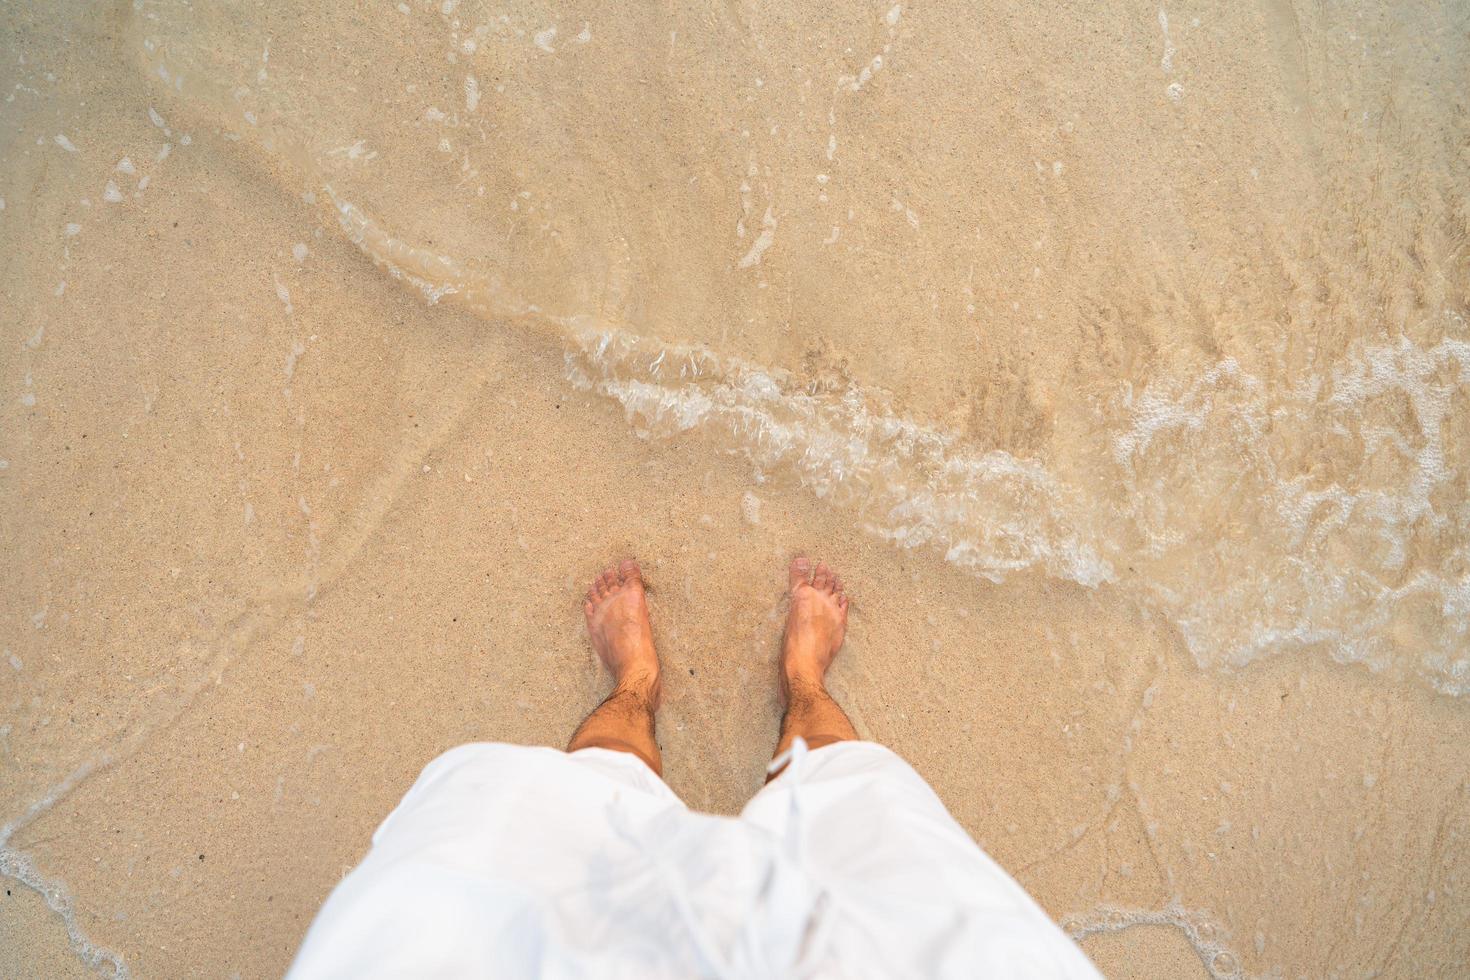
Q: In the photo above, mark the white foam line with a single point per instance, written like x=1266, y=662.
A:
x=16, y=866
x=1220, y=432
x=1221, y=962
x=912, y=485
x=992, y=513
x=20, y=868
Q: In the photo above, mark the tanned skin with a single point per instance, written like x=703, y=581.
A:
x=617, y=622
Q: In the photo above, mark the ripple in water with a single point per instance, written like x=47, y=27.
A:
x=1323, y=512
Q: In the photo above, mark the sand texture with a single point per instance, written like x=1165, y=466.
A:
x=1117, y=357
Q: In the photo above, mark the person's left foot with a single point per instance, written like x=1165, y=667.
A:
x=617, y=622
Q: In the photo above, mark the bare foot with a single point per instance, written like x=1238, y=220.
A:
x=815, y=625
x=617, y=622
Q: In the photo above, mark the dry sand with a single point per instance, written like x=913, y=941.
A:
x=1118, y=360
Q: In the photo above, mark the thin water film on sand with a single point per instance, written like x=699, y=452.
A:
x=1121, y=354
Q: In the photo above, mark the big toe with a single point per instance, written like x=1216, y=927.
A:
x=800, y=572
x=630, y=573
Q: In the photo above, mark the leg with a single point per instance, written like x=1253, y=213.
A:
x=815, y=627
x=617, y=622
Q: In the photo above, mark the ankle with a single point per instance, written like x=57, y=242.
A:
x=641, y=682
x=802, y=683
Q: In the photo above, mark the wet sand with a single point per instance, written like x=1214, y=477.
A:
x=281, y=530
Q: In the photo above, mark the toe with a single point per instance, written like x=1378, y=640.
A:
x=589, y=608
x=800, y=571
x=822, y=579
x=630, y=572
x=842, y=602
x=836, y=584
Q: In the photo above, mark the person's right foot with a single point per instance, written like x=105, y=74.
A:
x=815, y=624
x=617, y=623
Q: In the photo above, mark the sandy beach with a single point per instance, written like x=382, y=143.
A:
x=1118, y=358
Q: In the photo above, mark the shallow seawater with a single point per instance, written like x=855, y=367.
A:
x=1119, y=359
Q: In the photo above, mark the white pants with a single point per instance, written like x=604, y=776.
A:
x=509, y=861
